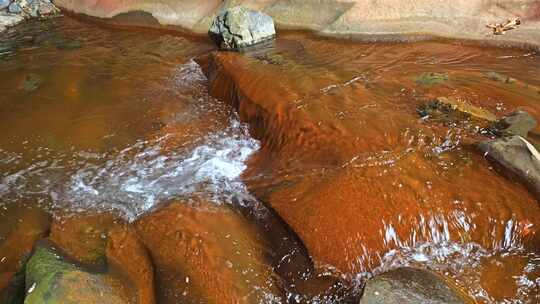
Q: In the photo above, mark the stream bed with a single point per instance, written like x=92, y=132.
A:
x=305, y=160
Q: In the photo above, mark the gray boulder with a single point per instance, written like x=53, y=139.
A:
x=239, y=27
x=516, y=123
x=410, y=286
x=14, y=8
x=4, y=4
x=518, y=157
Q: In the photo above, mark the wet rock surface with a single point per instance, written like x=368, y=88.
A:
x=410, y=286
x=450, y=109
x=83, y=237
x=50, y=279
x=518, y=158
x=206, y=253
x=239, y=27
x=367, y=176
x=126, y=251
x=516, y=123
x=19, y=232
x=351, y=172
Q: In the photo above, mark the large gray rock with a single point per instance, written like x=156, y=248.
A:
x=518, y=157
x=4, y=4
x=516, y=123
x=409, y=286
x=240, y=27
x=14, y=8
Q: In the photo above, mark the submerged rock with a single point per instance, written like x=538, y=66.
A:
x=101, y=240
x=518, y=157
x=50, y=279
x=31, y=82
x=516, y=123
x=410, y=286
x=431, y=79
x=339, y=184
x=499, y=77
x=448, y=108
x=240, y=27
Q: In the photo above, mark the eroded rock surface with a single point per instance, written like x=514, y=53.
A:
x=353, y=172
x=410, y=286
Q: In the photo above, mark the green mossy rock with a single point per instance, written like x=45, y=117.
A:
x=431, y=79
x=52, y=280
x=410, y=286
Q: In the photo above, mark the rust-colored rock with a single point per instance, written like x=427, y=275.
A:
x=347, y=163
x=125, y=251
x=21, y=227
x=83, y=236
x=204, y=252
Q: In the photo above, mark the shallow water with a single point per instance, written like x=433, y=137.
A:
x=99, y=120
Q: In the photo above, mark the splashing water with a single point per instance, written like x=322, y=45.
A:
x=473, y=268
x=138, y=177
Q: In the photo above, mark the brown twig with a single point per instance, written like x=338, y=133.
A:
x=501, y=28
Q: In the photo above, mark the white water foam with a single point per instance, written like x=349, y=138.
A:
x=137, y=178
x=430, y=246
x=140, y=176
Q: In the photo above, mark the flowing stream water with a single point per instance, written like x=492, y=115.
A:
x=99, y=120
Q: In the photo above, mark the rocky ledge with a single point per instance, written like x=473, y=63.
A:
x=454, y=19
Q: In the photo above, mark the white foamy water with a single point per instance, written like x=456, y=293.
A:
x=137, y=178
x=467, y=264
